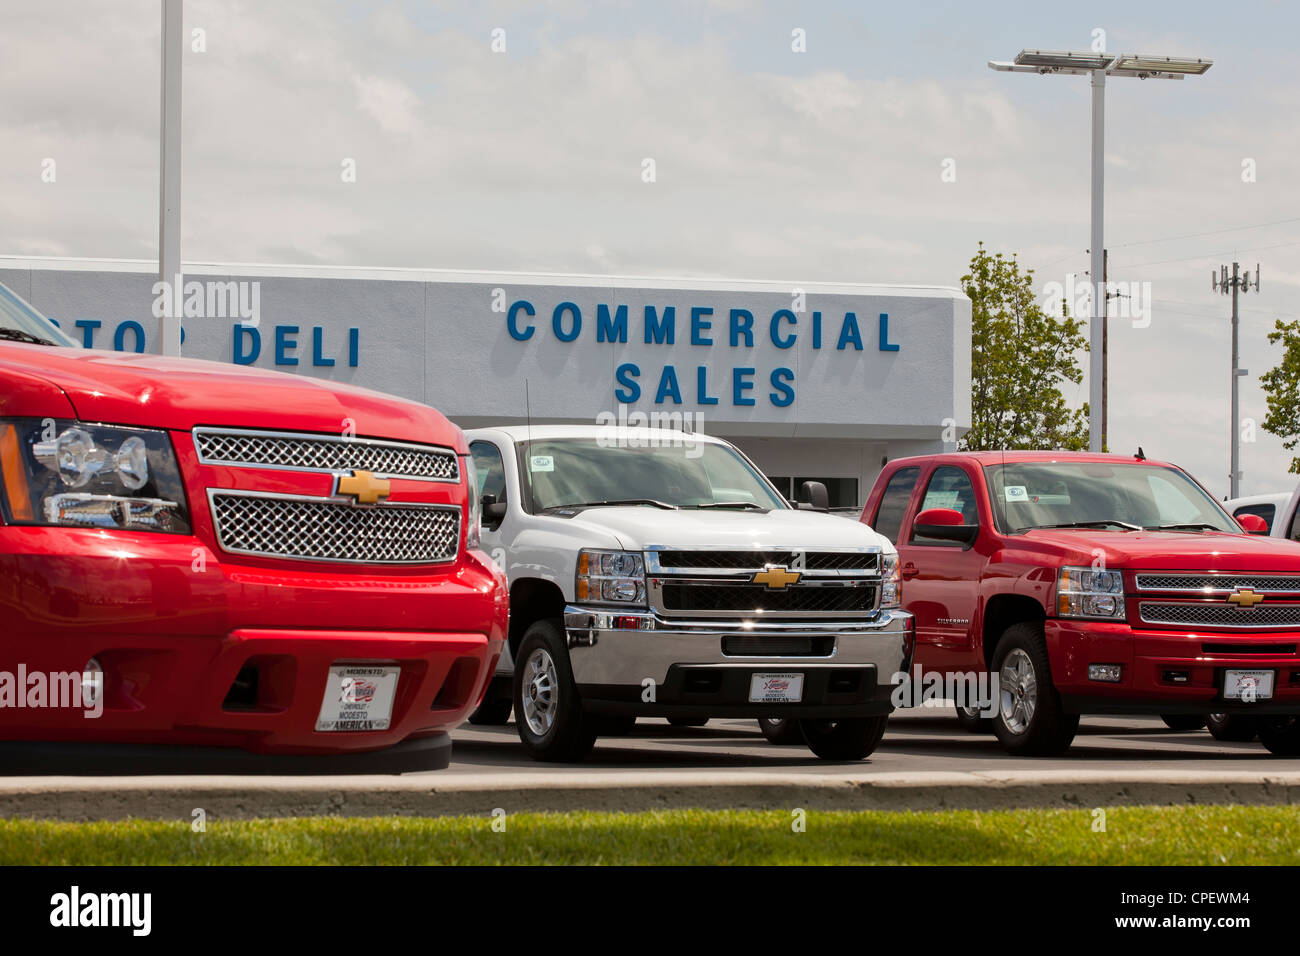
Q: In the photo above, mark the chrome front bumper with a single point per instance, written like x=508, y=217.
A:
x=604, y=649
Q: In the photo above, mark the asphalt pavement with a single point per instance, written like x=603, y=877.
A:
x=925, y=762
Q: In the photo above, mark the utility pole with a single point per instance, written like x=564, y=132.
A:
x=1105, y=346
x=1222, y=282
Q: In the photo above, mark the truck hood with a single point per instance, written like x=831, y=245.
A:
x=1170, y=550
x=638, y=528
x=153, y=391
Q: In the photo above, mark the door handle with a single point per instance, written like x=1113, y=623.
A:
x=910, y=570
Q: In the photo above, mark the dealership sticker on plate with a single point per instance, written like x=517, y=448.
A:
x=1247, y=685
x=775, y=688
x=358, y=697
x=541, y=463
x=1015, y=493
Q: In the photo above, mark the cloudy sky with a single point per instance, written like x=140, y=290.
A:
x=825, y=164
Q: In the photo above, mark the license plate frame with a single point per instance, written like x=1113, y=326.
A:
x=776, y=688
x=1234, y=685
x=358, y=698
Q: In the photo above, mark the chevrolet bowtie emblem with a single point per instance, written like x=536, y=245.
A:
x=775, y=579
x=363, y=486
x=1245, y=597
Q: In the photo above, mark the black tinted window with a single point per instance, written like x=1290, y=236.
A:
x=893, y=502
x=491, y=470
x=1267, y=512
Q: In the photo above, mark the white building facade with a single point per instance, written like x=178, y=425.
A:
x=813, y=380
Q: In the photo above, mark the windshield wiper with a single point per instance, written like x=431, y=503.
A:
x=614, y=502
x=747, y=505
x=1191, y=526
x=18, y=335
x=1105, y=523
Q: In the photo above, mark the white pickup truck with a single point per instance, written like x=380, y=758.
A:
x=659, y=573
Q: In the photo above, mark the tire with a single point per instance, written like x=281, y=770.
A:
x=1183, y=721
x=550, y=719
x=971, y=721
x=1281, y=735
x=492, y=713
x=1233, y=728
x=688, y=721
x=1030, y=721
x=780, y=730
x=852, y=739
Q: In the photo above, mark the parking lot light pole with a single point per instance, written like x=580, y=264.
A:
x=1098, y=66
x=169, y=177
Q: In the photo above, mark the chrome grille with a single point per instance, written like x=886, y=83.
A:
x=1216, y=582
x=748, y=598
x=315, y=529
x=1220, y=615
x=325, y=453
x=757, y=560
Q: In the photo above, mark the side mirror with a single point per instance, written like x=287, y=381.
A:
x=493, y=511
x=946, y=524
x=815, y=496
x=1252, y=524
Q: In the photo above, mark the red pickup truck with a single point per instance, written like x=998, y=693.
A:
x=194, y=553
x=1075, y=583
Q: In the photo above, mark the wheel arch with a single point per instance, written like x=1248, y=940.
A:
x=1001, y=612
x=531, y=600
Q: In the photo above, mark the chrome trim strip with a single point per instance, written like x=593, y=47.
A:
x=1223, y=591
x=340, y=502
x=324, y=438
x=653, y=566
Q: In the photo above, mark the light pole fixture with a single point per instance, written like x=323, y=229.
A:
x=1099, y=66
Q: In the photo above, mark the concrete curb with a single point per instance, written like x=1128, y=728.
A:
x=175, y=797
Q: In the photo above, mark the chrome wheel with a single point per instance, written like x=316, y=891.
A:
x=1018, y=691
x=541, y=691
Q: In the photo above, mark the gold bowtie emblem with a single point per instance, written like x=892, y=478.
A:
x=363, y=486
x=1245, y=598
x=775, y=579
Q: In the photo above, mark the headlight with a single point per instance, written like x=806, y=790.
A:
x=91, y=476
x=473, y=534
x=1084, y=592
x=891, y=582
x=611, y=577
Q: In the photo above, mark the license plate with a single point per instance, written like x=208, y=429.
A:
x=358, y=697
x=1247, y=685
x=775, y=688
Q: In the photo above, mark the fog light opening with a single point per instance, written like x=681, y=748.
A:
x=1106, y=673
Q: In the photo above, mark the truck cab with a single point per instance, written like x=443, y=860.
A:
x=1075, y=583
x=658, y=573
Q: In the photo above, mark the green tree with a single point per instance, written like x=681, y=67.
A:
x=1282, y=388
x=1020, y=355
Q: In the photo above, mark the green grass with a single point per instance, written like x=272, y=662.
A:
x=1134, y=835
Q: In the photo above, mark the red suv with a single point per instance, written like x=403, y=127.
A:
x=194, y=553
x=1063, y=584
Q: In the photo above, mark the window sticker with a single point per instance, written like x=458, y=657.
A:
x=942, y=499
x=541, y=463
x=1015, y=493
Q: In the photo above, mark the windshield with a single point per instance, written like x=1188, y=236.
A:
x=19, y=322
x=1101, y=494
x=588, y=471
